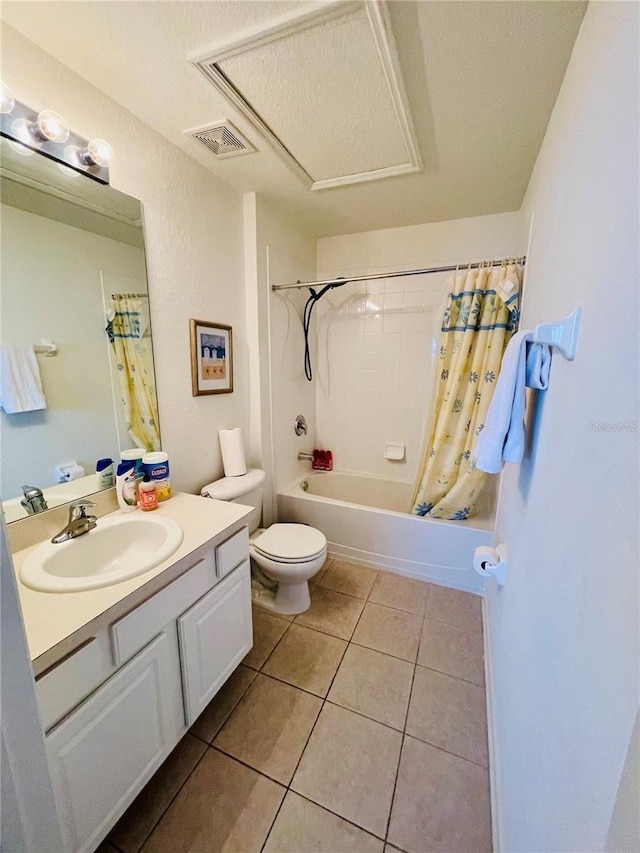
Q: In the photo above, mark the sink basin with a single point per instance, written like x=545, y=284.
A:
x=119, y=548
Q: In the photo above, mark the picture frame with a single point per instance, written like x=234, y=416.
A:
x=211, y=358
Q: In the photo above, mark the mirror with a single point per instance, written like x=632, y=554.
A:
x=73, y=273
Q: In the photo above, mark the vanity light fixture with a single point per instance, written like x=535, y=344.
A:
x=21, y=149
x=97, y=153
x=50, y=125
x=70, y=173
x=7, y=101
x=48, y=133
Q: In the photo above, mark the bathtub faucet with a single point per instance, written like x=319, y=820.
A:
x=305, y=457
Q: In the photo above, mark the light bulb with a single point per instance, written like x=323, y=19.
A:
x=99, y=152
x=52, y=126
x=20, y=149
x=7, y=100
x=66, y=170
x=22, y=130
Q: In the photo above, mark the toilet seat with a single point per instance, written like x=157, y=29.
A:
x=290, y=543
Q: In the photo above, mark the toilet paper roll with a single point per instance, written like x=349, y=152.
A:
x=69, y=471
x=485, y=557
x=232, y=451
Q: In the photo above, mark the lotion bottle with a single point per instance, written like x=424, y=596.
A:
x=126, y=486
x=147, y=497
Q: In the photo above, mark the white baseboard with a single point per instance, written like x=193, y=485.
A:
x=494, y=786
x=442, y=575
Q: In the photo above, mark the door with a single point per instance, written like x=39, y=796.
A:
x=103, y=753
x=215, y=634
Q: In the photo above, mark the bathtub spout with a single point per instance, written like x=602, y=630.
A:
x=305, y=457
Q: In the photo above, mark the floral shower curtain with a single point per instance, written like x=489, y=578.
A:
x=481, y=316
x=128, y=329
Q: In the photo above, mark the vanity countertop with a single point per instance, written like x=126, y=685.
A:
x=57, y=623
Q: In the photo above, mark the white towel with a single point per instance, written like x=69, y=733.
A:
x=503, y=437
x=20, y=384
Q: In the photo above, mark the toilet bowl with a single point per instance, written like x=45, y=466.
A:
x=289, y=555
x=283, y=557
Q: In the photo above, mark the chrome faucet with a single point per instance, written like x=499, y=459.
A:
x=33, y=500
x=300, y=425
x=79, y=522
x=305, y=457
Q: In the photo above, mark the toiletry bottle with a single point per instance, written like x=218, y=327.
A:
x=126, y=486
x=136, y=454
x=157, y=464
x=147, y=497
x=104, y=471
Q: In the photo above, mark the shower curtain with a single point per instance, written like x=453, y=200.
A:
x=128, y=329
x=481, y=316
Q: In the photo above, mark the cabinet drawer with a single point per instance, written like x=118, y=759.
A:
x=135, y=629
x=215, y=634
x=72, y=679
x=232, y=552
x=103, y=753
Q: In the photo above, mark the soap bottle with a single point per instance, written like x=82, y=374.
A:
x=126, y=486
x=104, y=471
x=147, y=496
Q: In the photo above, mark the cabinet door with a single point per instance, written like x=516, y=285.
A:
x=215, y=634
x=102, y=754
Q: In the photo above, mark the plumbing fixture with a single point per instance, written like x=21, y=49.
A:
x=306, y=321
x=304, y=485
x=300, y=425
x=305, y=457
x=79, y=522
x=33, y=501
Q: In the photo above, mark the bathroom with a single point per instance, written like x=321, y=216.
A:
x=560, y=637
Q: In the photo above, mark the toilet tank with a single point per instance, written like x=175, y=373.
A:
x=246, y=489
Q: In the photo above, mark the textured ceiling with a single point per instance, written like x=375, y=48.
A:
x=295, y=93
x=481, y=79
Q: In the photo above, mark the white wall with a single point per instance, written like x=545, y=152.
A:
x=563, y=633
x=376, y=339
x=277, y=250
x=193, y=231
x=42, y=259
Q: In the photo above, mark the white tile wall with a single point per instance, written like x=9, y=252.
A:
x=291, y=393
x=374, y=384
x=376, y=338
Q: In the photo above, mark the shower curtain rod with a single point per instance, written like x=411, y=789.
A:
x=347, y=280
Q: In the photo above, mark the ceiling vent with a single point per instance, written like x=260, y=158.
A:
x=294, y=82
x=223, y=140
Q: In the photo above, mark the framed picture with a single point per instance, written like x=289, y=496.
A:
x=211, y=358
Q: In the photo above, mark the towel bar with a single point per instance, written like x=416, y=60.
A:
x=563, y=334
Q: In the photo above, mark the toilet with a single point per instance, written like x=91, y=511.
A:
x=284, y=556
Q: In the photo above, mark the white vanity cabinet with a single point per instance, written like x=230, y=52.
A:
x=115, y=708
x=102, y=754
x=215, y=634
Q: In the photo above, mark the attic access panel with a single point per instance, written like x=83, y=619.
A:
x=324, y=89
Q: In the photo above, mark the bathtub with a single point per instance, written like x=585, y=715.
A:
x=365, y=520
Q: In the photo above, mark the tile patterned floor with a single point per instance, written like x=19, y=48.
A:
x=358, y=726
